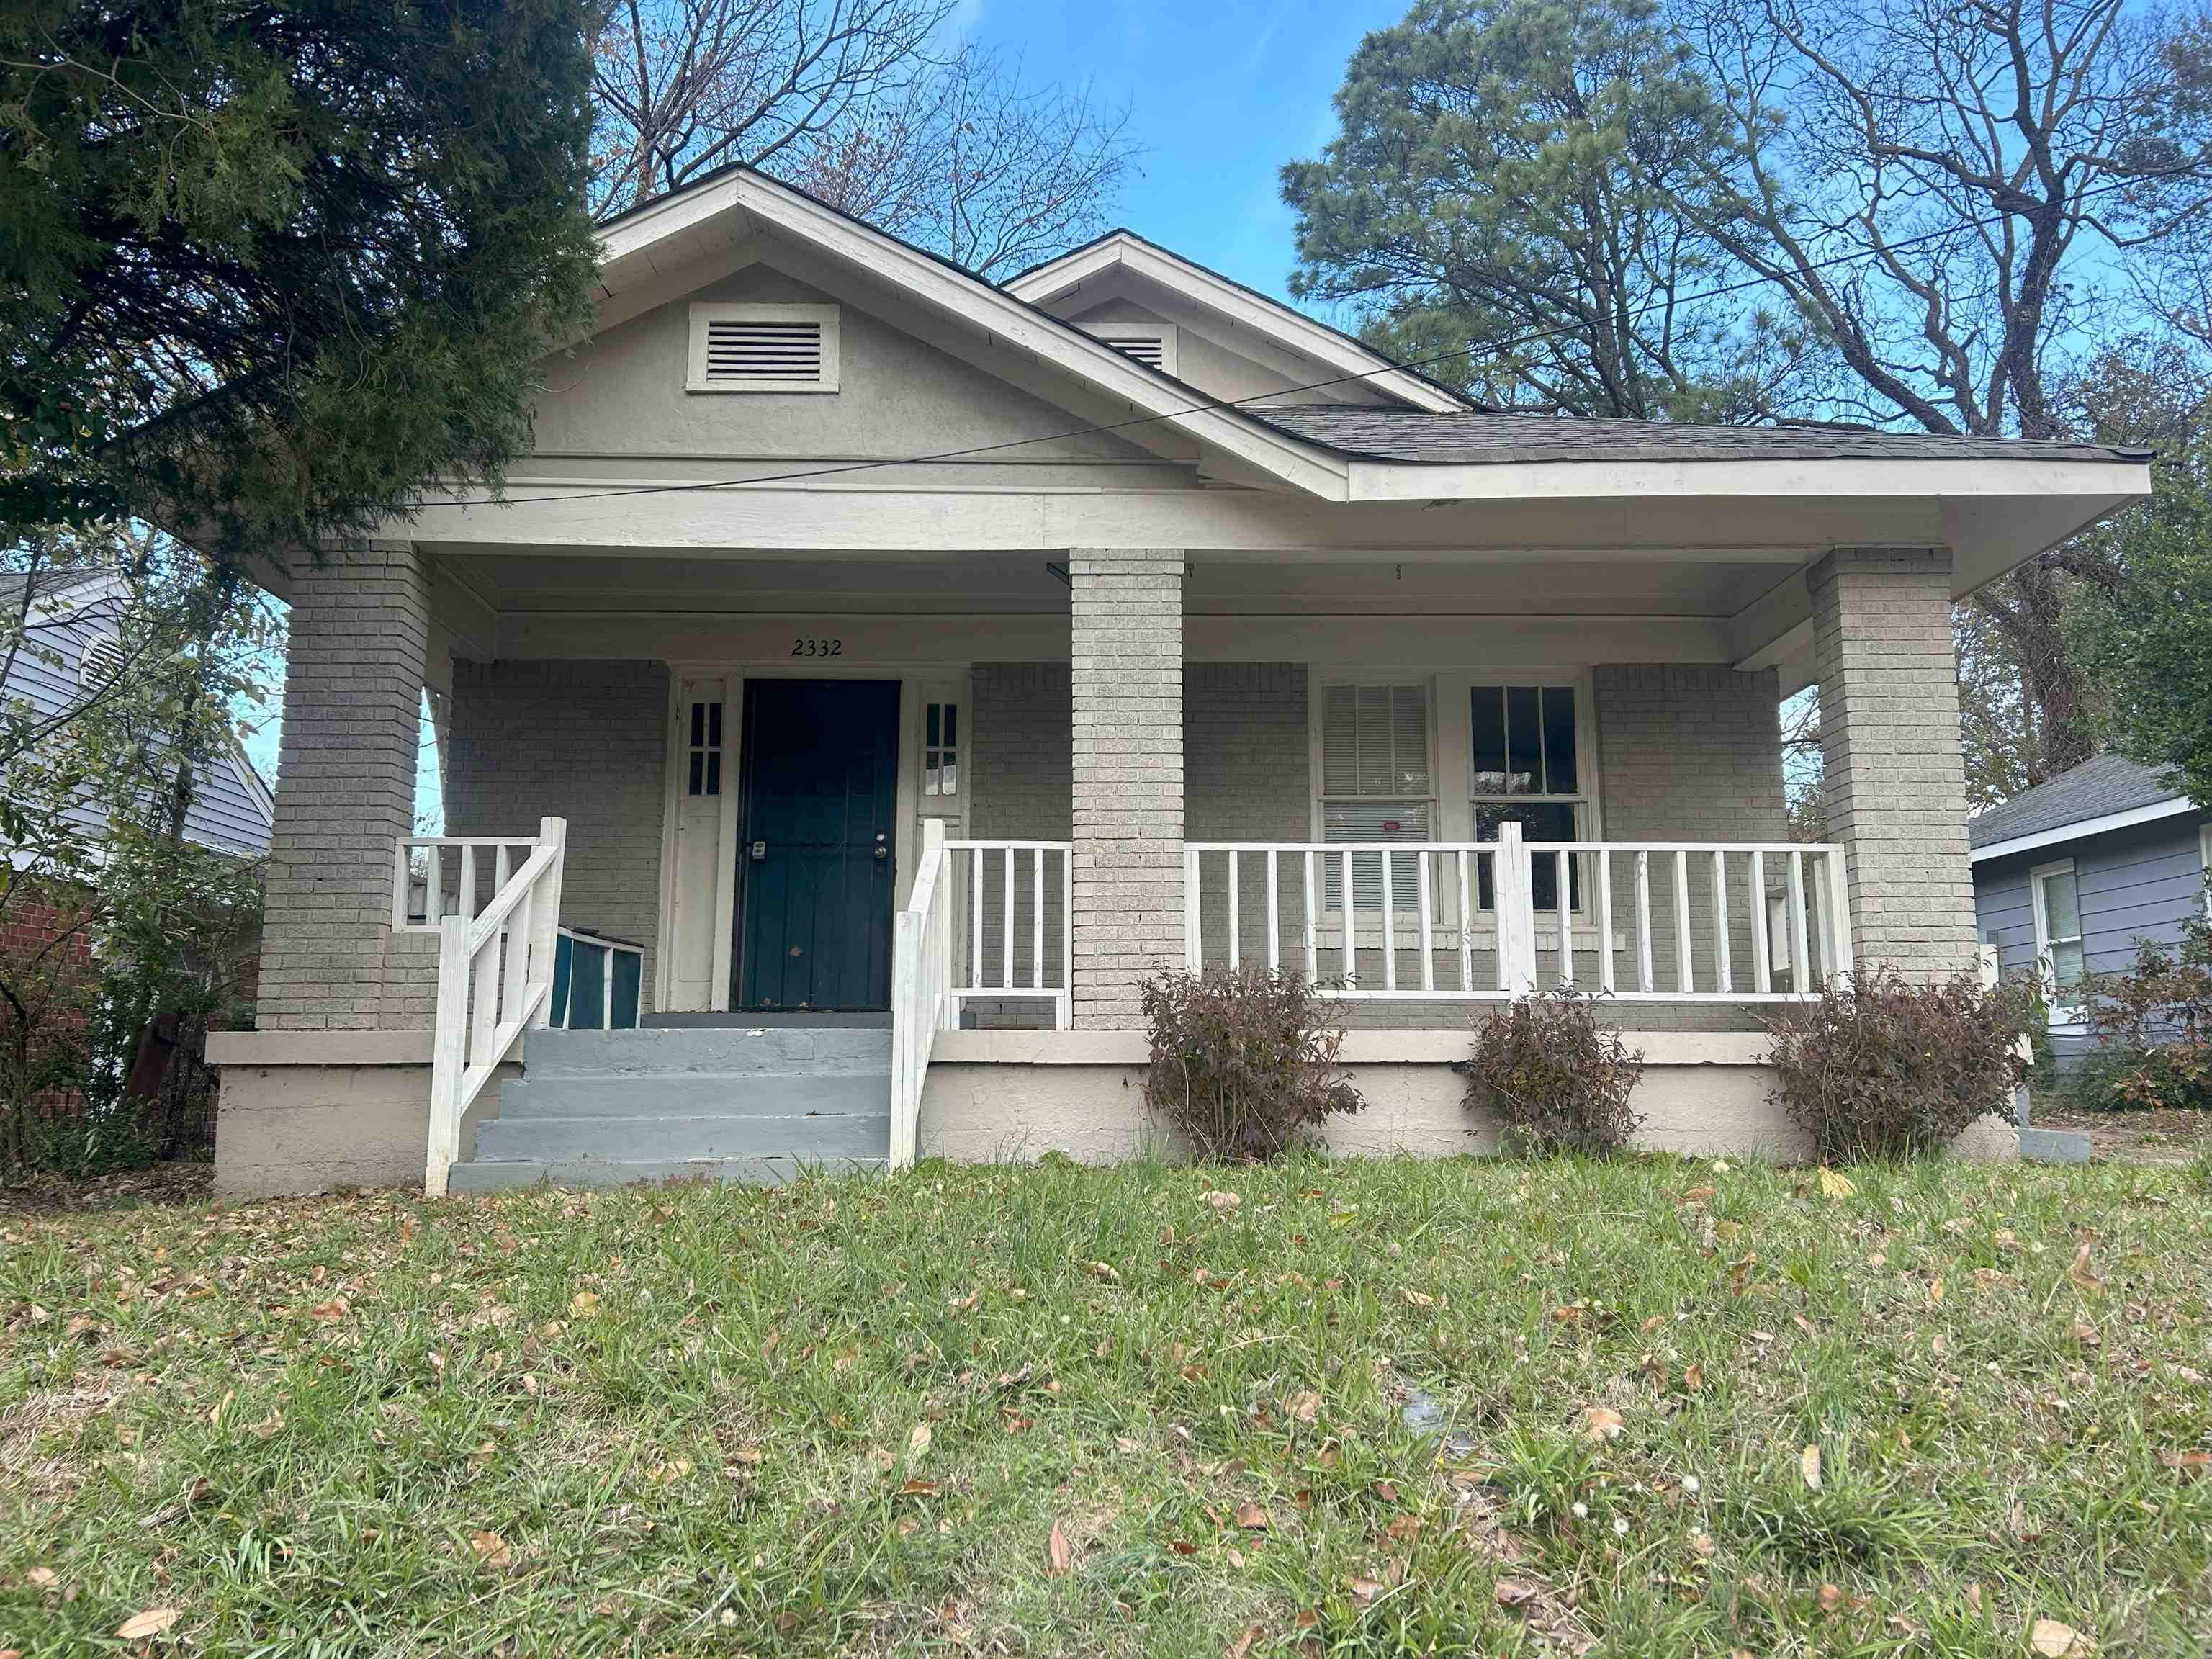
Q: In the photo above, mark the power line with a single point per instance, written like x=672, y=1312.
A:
x=1741, y=285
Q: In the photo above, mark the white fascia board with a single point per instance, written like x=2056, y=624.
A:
x=1602, y=480
x=2083, y=828
x=757, y=202
x=1289, y=329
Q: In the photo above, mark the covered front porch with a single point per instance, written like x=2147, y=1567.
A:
x=978, y=824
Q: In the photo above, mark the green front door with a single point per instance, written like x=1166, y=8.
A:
x=820, y=762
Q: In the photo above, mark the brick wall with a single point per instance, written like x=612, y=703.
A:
x=584, y=741
x=352, y=690
x=1249, y=755
x=1126, y=678
x=1895, y=780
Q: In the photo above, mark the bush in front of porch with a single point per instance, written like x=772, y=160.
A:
x=1560, y=1080
x=1244, y=1060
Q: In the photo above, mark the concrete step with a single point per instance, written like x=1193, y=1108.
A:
x=659, y=1050
x=840, y=1136
x=602, y=1095
x=504, y=1173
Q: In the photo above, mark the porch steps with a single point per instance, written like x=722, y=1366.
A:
x=597, y=1108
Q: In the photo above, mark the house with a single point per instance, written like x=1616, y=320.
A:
x=2070, y=875
x=73, y=650
x=903, y=666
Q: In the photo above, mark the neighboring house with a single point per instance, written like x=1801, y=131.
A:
x=74, y=647
x=2070, y=874
x=908, y=665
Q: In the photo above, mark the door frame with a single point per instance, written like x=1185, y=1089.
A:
x=915, y=684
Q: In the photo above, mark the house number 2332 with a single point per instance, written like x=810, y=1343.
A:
x=806, y=647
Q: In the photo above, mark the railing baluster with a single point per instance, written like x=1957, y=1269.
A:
x=1465, y=921
x=1274, y=928
x=1604, y=862
x=1428, y=925
x=1685, y=979
x=1762, y=970
x=1344, y=908
x=1801, y=970
x=1644, y=922
x=1721, y=963
x=976, y=930
x=483, y=991
x=1313, y=937
x=1007, y=927
x=1193, y=929
x=1235, y=926
x=515, y=977
x=1566, y=917
x=1823, y=907
x=1036, y=919
x=464, y=902
x=1389, y=928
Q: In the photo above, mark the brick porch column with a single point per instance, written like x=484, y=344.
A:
x=1126, y=678
x=345, y=794
x=1895, y=781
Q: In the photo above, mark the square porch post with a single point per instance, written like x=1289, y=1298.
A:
x=1895, y=779
x=1125, y=674
x=345, y=794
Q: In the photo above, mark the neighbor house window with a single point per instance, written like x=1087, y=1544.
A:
x=940, y=750
x=1375, y=786
x=1525, y=768
x=705, y=749
x=2058, y=897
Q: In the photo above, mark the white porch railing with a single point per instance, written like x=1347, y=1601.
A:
x=434, y=877
x=494, y=975
x=922, y=985
x=1736, y=921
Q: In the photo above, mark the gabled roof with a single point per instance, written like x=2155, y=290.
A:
x=2105, y=792
x=1292, y=330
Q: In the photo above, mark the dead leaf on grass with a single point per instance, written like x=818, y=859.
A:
x=584, y=1303
x=1251, y=1517
x=1304, y=1406
x=1835, y=1186
x=490, y=1549
x=1808, y=1465
x=2083, y=1276
x=1224, y=1201
x=918, y=1442
x=153, y=1621
x=2056, y=1641
x=1603, y=1423
x=1059, y=1559
x=1246, y=1639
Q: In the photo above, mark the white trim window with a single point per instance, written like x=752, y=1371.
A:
x=940, y=751
x=1377, y=783
x=1526, y=765
x=2056, y=894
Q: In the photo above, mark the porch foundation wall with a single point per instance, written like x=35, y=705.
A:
x=291, y=1129
x=584, y=741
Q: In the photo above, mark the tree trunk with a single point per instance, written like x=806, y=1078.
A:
x=2035, y=599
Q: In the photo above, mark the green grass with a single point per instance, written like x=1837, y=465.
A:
x=848, y=1416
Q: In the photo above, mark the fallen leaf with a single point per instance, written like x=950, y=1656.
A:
x=1414, y=1298
x=1693, y=1378
x=2084, y=1279
x=1364, y=1589
x=918, y=1442
x=584, y=1303
x=2088, y=1336
x=1835, y=1186
x=152, y=1622
x=491, y=1548
x=1105, y=1271
x=1934, y=1292
x=918, y=1489
x=1224, y=1201
x=1304, y=1406
x=1603, y=1423
x=42, y=1577
x=1403, y=1528
x=1251, y=1517
x=2056, y=1641
x=1512, y=1592
x=1059, y=1559
x=1808, y=1464
x=1831, y=1597
x=2195, y=1461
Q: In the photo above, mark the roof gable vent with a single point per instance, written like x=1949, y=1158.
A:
x=763, y=348
x=99, y=661
x=1152, y=345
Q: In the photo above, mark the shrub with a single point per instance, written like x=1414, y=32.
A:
x=1879, y=1067
x=2150, y=1027
x=1559, y=1079
x=1243, y=1061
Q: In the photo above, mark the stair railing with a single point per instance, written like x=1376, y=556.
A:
x=494, y=978
x=921, y=985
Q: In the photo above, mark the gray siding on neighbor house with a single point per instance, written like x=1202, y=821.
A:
x=227, y=813
x=2135, y=884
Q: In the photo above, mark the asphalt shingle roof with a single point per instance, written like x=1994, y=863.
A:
x=2100, y=786
x=1476, y=438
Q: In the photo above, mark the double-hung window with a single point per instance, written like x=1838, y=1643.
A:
x=2057, y=906
x=1377, y=786
x=1525, y=768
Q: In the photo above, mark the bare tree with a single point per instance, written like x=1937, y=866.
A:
x=861, y=103
x=1931, y=182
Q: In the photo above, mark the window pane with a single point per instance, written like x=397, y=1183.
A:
x=698, y=724
x=951, y=725
x=1340, y=742
x=698, y=772
x=2061, y=905
x=1392, y=822
x=930, y=734
x=1487, y=717
x=1373, y=775
x=2066, y=964
x=1539, y=821
x=1559, y=740
x=714, y=725
x=1524, y=760
x=1374, y=740
x=1409, y=739
x=952, y=773
x=713, y=771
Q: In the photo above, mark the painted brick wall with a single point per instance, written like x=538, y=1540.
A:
x=352, y=690
x=1246, y=745
x=584, y=741
x=1895, y=781
x=1126, y=680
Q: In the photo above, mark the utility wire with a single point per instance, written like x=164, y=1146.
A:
x=1741, y=285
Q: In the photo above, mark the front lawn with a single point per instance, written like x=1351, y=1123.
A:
x=1663, y=1407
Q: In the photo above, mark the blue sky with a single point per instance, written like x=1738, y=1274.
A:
x=1221, y=93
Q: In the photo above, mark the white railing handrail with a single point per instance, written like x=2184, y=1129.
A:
x=494, y=981
x=922, y=975
x=1404, y=921
x=993, y=870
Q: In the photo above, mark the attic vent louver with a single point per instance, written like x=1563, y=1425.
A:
x=100, y=661
x=763, y=348
x=1150, y=343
